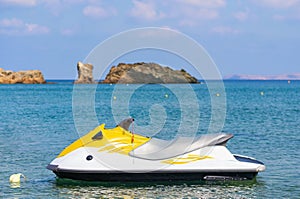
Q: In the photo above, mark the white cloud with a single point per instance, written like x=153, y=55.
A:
x=279, y=17
x=194, y=12
x=292, y=16
x=11, y=22
x=67, y=32
x=162, y=32
x=54, y=6
x=18, y=27
x=35, y=29
x=98, y=11
x=145, y=10
x=201, y=13
x=189, y=23
x=286, y=9
x=193, y=17
x=204, y=3
x=19, y=2
x=241, y=16
x=74, y=1
x=94, y=11
x=279, y=3
x=225, y=30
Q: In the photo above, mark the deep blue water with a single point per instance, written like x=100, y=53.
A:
x=37, y=122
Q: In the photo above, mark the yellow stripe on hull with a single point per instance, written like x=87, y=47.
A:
x=184, y=160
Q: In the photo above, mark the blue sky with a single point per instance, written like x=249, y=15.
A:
x=242, y=37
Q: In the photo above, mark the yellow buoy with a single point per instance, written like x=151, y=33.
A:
x=262, y=93
x=114, y=97
x=218, y=94
x=16, y=178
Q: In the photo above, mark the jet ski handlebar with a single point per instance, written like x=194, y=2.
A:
x=126, y=123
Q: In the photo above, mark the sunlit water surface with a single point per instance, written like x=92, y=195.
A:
x=36, y=123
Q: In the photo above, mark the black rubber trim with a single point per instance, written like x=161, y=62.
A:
x=151, y=176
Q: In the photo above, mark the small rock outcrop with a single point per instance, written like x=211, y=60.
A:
x=21, y=77
x=147, y=73
x=85, y=74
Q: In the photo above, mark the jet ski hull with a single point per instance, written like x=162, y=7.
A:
x=157, y=176
x=117, y=155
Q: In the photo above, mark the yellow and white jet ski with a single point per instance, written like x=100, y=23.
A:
x=118, y=155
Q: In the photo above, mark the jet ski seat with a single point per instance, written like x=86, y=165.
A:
x=158, y=149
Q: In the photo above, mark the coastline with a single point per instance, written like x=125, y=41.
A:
x=201, y=80
x=71, y=81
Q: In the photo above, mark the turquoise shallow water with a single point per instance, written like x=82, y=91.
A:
x=36, y=123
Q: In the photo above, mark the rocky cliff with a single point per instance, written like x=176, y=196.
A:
x=21, y=77
x=85, y=74
x=147, y=73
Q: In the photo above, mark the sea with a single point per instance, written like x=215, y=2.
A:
x=38, y=121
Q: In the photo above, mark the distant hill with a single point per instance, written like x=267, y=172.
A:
x=263, y=77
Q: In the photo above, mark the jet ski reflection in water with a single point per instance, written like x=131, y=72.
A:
x=118, y=155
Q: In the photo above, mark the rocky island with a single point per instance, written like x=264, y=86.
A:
x=85, y=74
x=146, y=73
x=21, y=77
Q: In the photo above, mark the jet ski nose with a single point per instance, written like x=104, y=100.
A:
x=261, y=168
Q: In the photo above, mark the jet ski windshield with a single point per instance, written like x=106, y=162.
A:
x=157, y=149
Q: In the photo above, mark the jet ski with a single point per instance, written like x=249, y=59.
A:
x=120, y=155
